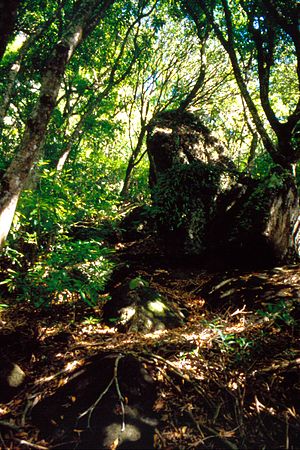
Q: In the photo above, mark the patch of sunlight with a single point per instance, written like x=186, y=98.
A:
x=163, y=130
x=101, y=329
x=73, y=365
x=48, y=331
x=93, y=328
x=235, y=384
x=127, y=313
x=4, y=410
x=237, y=328
x=8, y=120
x=185, y=364
x=17, y=43
x=203, y=336
x=68, y=368
x=156, y=333
x=148, y=323
x=156, y=306
x=115, y=435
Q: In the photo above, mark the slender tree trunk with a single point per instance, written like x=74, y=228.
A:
x=132, y=163
x=252, y=152
x=127, y=178
x=21, y=167
x=95, y=102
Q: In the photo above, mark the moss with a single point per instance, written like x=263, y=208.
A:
x=183, y=191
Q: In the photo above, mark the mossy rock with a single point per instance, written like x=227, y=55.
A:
x=135, y=306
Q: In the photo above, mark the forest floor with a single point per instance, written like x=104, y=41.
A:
x=228, y=378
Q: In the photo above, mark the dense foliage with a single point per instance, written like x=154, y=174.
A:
x=80, y=82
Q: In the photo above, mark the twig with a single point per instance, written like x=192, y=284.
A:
x=90, y=410
x=169, y=380
x=29, y=405
x=163, y=441
x=196, y=423
x=199, y=390
x=30, y=444
x=213, y=432
x=61, y=444
x=121, y=398
x=217, y=412
x=239, y=410
x=287, y=439
x=216, y=434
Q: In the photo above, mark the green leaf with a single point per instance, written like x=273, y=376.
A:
x=137, y=282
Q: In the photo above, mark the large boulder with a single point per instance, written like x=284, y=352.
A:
x=205, y=208
x=186, y=166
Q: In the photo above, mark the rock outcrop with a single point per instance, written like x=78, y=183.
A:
x=205, y=208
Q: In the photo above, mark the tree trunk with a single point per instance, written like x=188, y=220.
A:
x=21, y=167
x=132, y=163
x=127, y=178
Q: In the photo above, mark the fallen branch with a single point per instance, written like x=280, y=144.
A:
x=283, y=365
x=91, y=409
x=121, y=398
